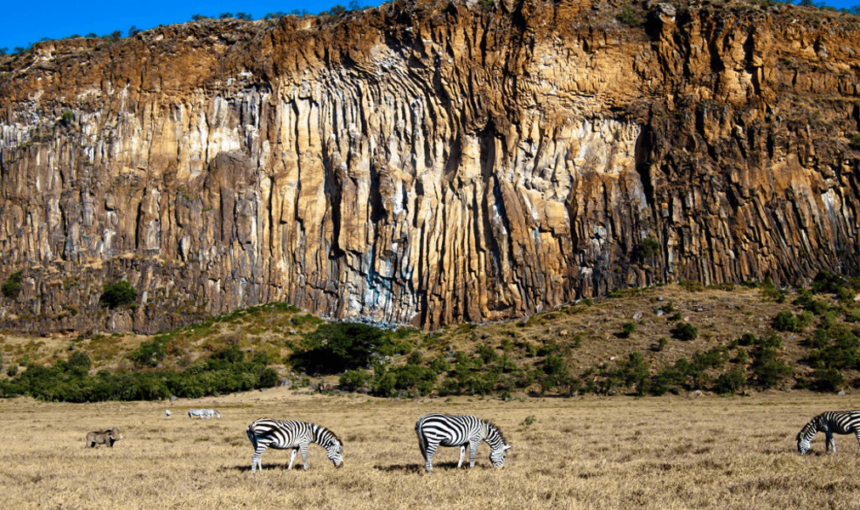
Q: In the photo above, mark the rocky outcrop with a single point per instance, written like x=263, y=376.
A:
x=427, y=163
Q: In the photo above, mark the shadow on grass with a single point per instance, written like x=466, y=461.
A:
x=418, y=468
x=265, y=467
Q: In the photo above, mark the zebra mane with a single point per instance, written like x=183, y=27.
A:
x=807, y=429
x=497, y=429
x=324, y=429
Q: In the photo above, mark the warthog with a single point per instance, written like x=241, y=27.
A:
x=108, y=437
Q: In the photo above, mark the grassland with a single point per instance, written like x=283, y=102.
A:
x=592, y=453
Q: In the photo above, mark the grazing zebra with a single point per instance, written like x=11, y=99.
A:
x=297, y=435
x=198, y=413
x=830, y=422
x=167, y=412
x=203, y=413
x=436, y=430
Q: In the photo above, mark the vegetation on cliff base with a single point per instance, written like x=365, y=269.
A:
x=766, y=341
x=67, y=381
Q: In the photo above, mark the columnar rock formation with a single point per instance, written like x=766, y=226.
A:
x=426, y=163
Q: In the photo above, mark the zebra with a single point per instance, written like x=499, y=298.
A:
x=167, y=413
x=436, y=430
x=830, y=422
x=204, y=413
x=297, y=435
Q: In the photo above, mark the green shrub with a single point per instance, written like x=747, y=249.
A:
x=740, y=357
x=487, y=353
x=785, y=321
x=629, y=17
x=826, y=282
x=647, y=247
x=730, y=383
x=80, y=359
x=627, y=329
x=685, y=332
x=853, y=315
x=748, y=339
x=768, y=370
x=712, y=358
x=828, y=380
x=149, y=354
x=634, y=373
x=548, y=348
x=117, y=294
x=439, y=365
x=855, y=142
x=816, y=306
x=353, y=380
x=12, y=287
x=415, y=358
x=12, y=370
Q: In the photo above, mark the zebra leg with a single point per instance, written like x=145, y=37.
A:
x=293, y=457
x=256, y=460
x=304, y=449
x=462, y=454
x=428, y=457
x=831, y=442
x=473, y=450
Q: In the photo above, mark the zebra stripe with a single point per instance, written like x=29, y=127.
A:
x=295, y=435
x=830, y=422
x=436, y=430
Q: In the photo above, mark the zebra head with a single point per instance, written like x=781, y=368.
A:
x=497, y=456
x=804, y=437
x=335, y=453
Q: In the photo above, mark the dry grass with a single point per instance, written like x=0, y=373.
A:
x=653, y=453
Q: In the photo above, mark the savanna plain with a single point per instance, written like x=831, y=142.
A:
x=670, y=452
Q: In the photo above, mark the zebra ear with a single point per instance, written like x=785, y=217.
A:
x=508, y=447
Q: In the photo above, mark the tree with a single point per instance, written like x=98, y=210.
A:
x=225, y=15
x=3, y=51
x=354, y=5
x=116, y=35
x=118, y=294
x=335, y=347
x=198, y=17
x=133, y=31
x=244, y=15
x=337, y=10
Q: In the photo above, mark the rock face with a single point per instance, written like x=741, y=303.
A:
x=427, y=163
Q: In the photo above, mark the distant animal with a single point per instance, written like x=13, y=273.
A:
x=108, y=437
x=436, y=430
x=830, y=422
x=325, y=386
x=203, y=413
x=297, y=435
x=167, y=412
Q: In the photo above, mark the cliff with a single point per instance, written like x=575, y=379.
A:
x=426, y=163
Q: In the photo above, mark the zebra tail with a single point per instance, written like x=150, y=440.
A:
x=422, y=443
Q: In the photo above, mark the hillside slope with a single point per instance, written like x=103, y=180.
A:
x=631, y=342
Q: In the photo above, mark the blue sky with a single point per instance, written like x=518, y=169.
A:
x=22, y=22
